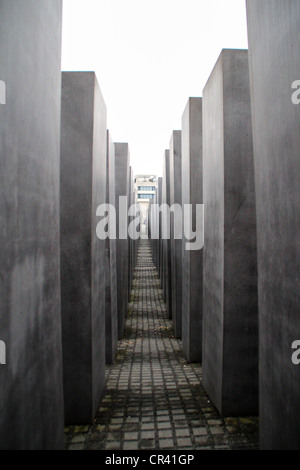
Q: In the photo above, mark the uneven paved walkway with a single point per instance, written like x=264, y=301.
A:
x=153, y=398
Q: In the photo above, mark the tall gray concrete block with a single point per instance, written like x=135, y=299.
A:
x=83, y=189
x=158, y=242
x=131, y=242
x=163, y=282
x=192, y=261
x=134, y=243
x=154, y=230
x=122, y=185
x=230, y=309
x=274, y=54
x=167, y=290
x=31, y=405
x=161, y=241
x=151, y=226
x=128, y=220
x=111, y=305
x=176, y=245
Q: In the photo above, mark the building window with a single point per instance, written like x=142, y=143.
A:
x=146, y=196
x=146, y=188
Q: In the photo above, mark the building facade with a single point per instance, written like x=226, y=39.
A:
x=145, y=187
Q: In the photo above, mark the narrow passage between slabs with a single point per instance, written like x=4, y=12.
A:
x=153, y=398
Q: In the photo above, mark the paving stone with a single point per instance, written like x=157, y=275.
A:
x=164, y=426
x=130, y=436
x=81, y=429
x=163, y=418
x=217, y=430
x=147, y=444
x=165, y=433
x=131, y=427
x=200, y=431
x=220, y=440
x=113, y=436
x=117, y=421
x=78, y=438
x=162, y=413
x=180, y=424
x=184, y=442
x=147, y=426
x=166, y=444
x=97, y=436
x=182, y=432
x=148, y=435
x=214, y=422
x=116, y=427
x=114, y=445
x=222, y=447
x=76, y=446
x=130, y=446
x=202, y=441
x=95, y=445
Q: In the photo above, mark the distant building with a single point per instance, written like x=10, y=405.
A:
x=144, y=187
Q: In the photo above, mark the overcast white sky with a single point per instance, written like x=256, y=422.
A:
x=150, y=56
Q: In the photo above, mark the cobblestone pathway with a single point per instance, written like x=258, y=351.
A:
x=153, y=398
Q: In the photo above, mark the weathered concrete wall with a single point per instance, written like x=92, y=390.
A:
x=122, y=185
x=31, y=405
x=230, y=311
x=274, y=38
x=151, y=226
x=154, y=218
x=83, y=189
x=158, y=241
x=192, y=261
x=111, y=305
x=129, y=240
x=176, y=245
x=161, y=244
x=167, y=290
x=132, y=243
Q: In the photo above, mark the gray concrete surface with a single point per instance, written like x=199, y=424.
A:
x=154, y=230
x=274, y=38
x=83, y=189
x=134, y=243
x=161, y=242
x=158, y=242
x=129, y=239
x=167, y=291
x=192, y=261
x=122, y=185
x=230, y=310
x=131, y=242
x=111, y=305
x=31, y=405
x=176, y=245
